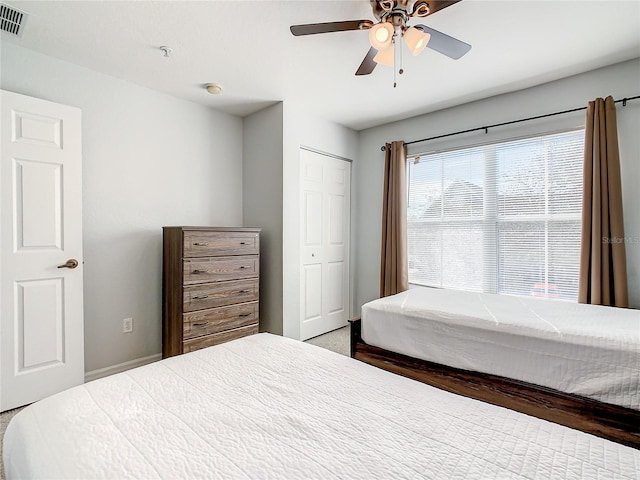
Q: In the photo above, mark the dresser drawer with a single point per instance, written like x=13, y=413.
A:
x=218, y=338
x=210, y=295
x=204, y=244
x=216, y=269
x=216, y=320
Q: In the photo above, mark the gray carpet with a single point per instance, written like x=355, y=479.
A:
x=338, y=341
x=5, y=417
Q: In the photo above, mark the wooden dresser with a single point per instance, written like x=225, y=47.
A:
x=210, y=286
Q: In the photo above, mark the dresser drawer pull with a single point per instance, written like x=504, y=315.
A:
x=243, y=291
x=244, y=315
x=201, y=244
x=204, y=324
x=201, y=297
x=242, y=267
x=197, y=272
x=245, y=243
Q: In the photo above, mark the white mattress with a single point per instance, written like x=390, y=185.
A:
x=268, y=407
x=586, y=350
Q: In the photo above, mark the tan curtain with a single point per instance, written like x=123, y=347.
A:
x=603, y=265
x=394, y=266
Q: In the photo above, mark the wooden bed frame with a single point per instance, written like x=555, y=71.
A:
x=605, y=420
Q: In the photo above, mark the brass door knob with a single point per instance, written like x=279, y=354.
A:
x=71, y=263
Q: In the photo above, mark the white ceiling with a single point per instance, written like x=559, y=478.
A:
x=246, y=46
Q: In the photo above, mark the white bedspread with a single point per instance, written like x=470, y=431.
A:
x=268, y=407
x=587, y=350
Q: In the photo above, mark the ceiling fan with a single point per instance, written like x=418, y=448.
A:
x=393, y=17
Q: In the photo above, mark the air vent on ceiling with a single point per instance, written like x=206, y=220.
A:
x=12, y=20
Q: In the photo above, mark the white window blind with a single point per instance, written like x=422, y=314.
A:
x=498, y=218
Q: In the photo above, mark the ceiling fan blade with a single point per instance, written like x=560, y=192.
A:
x=313, y=28
x=367, y=65
x=437, y=5
x=443, y=43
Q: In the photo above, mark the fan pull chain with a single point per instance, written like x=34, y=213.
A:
x=395, y=57
x=401, y=71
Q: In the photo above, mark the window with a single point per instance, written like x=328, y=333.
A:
x=499, y=218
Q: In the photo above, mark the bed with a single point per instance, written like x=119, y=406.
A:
x=578, y=365
x=268, y=407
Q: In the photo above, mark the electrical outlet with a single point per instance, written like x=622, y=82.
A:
x=127, y=325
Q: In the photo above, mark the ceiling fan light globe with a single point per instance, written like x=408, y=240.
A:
x=381, y=35
x=416, y=40
x=385, y=57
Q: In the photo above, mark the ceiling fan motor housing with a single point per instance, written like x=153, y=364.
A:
x=382, y=9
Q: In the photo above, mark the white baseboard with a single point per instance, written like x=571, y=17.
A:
x=121, y=367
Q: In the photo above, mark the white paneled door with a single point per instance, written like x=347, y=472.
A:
x=41, y=324
x=324, y=222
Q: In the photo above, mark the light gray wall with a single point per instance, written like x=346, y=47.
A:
x=262, y=205
x=302, y=129
x=272, y=141
x=620, y=80
x=149, y=160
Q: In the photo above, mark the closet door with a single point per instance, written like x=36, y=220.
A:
x=41, y=324
x=324, y=222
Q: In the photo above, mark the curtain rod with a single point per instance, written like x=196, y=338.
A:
x=486, y=129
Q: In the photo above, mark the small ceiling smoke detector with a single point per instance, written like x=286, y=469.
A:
x=12, y=20
x=213, y=88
